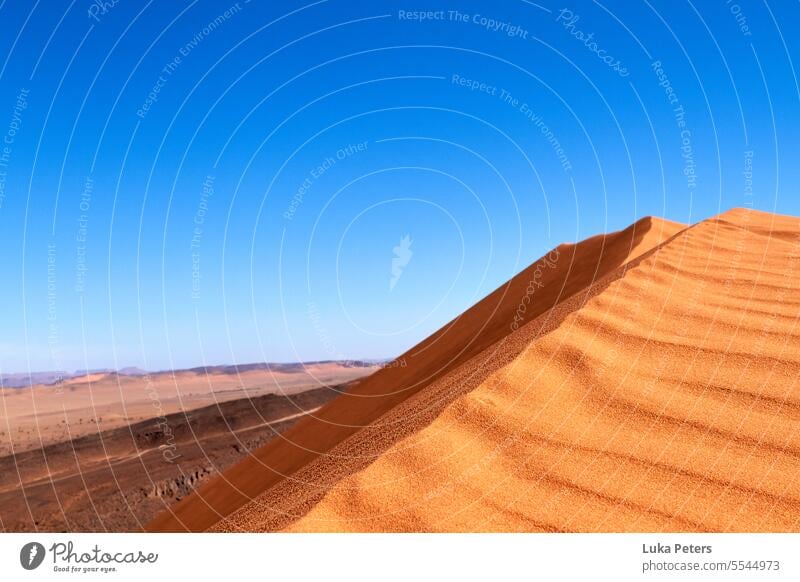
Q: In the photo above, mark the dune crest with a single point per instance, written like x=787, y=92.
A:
x=649, y=384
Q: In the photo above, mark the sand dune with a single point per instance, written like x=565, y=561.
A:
x=640, y=381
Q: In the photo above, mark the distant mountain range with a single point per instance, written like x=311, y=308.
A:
x=23, y=380
x=280, y=366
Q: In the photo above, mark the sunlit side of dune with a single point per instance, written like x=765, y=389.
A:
x=661, y=395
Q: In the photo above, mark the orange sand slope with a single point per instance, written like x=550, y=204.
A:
x=650, y=384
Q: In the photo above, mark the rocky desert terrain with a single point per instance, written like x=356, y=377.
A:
x=107, y=452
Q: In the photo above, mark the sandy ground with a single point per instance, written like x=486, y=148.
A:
x=658, y=392
x=42, y=415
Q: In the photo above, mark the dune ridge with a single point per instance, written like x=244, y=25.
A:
x=489, y=321
x=661, y=396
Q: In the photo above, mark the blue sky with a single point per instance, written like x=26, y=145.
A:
x=209, y=182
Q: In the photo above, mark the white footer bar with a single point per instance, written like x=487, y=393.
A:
x=401, y=557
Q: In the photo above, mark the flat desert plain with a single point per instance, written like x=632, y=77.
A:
x=643, y=380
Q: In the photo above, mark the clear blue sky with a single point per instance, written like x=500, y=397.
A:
x=182, y=182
